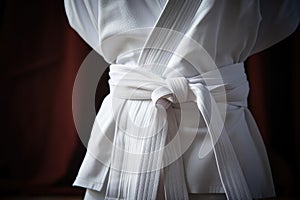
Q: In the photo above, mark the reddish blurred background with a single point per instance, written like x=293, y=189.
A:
x=40, y=54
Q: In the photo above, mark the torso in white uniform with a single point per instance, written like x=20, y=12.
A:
x=229, y=31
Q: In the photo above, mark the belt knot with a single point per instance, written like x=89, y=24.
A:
x=174, y=90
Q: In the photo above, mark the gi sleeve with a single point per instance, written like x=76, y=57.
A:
x=83, y=18
x=280, y=18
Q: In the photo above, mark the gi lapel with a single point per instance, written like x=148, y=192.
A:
x=176, y=17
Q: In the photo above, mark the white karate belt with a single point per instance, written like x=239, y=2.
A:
x=140, y=84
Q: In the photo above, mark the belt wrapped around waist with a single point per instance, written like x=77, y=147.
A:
x=154, y=149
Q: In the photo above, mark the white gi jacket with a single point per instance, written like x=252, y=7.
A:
x=184, y=93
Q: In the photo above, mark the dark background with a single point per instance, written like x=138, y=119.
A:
x=40, y=151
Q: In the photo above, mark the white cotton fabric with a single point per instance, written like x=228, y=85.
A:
x=230, y=31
